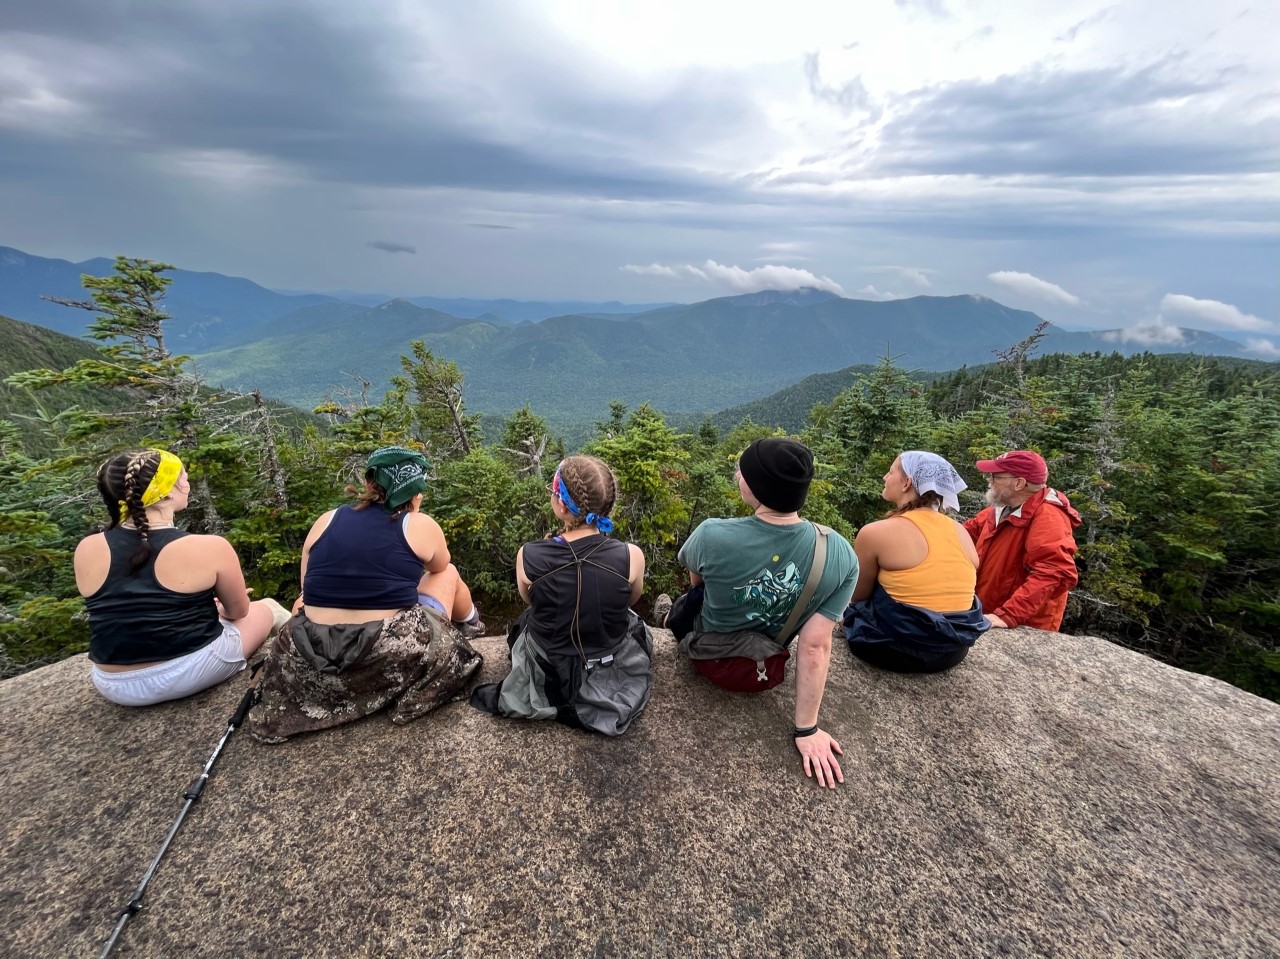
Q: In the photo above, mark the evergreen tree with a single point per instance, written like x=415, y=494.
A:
x=433, y=387
x=856, y=437
x=649, y=461
x=525, y=440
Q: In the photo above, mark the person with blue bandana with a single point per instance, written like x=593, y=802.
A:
x=579, y=654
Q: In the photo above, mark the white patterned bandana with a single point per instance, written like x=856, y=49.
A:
x=930, y=473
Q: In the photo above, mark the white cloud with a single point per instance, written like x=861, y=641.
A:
x=1033, y=286
x=768, y=277
x=871, y=293
x=653, y=269
x=1256, y=344
x=1212, y=313
x=1153, y=334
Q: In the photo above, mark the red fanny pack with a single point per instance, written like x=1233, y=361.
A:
x=741, y=674
x=765, y=664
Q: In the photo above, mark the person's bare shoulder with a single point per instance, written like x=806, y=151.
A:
x=878, y=530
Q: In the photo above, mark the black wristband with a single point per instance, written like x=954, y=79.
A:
x=798, y=733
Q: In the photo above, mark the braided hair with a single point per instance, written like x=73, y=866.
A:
x=124, y=479
x=591, y=485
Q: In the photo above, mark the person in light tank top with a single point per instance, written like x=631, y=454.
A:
x=914, y=607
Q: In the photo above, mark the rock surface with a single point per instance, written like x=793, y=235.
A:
x=1052, y=796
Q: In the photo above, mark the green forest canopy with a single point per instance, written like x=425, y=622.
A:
x=1172, y=461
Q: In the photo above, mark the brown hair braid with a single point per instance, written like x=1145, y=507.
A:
x=126, y=476
x=591, y=484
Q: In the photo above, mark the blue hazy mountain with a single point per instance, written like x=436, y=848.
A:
x=208, y=309
x=212, y=311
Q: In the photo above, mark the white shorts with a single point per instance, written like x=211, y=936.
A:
x=175, y=678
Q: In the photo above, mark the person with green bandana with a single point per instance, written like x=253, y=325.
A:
x=169, y=614
x=361, y=563
x=384, y=616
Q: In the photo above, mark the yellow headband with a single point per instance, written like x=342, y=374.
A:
x=161, y=484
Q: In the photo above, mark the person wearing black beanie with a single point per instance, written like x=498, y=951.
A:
x=779, y=472
x=748, y=574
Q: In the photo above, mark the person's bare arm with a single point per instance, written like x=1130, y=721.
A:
x=228, y=585
x=636, y=577
x=426, y=539
x=818, y=750
x=522, y=581
x=867, y=546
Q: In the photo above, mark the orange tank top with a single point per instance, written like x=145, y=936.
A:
x=944, y=580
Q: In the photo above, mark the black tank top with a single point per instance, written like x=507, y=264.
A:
x=134, y=619
x=554, y=595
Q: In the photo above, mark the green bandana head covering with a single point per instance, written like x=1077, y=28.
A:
x=401, y=472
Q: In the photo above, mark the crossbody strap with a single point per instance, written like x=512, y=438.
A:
x=810, y=584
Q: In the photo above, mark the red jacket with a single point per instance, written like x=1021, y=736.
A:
x=1026, y=564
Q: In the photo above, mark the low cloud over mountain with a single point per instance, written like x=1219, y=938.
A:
x=1212, y=314
x=1033, y=286
x=734, y=278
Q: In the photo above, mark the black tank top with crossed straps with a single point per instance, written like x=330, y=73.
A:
x=587, y=576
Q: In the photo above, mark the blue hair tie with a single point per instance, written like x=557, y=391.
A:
x=602, y=523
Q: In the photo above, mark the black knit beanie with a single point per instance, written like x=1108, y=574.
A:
x=779, y=472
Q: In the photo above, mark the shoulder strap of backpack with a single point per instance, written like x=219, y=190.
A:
x=810, y=584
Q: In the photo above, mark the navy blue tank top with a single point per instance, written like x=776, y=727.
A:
x=134, y=619
x=363, y=561
x=601, y=598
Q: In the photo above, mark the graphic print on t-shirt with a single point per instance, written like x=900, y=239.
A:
x=769, y=596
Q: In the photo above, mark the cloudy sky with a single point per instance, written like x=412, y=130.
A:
x=1102, y=163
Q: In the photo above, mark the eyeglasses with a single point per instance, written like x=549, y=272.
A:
x=992, y=477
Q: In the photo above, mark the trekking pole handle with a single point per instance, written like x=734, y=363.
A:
x=250, y=697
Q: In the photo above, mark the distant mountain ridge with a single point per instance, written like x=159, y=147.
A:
x=212, y=311
x=681, y=359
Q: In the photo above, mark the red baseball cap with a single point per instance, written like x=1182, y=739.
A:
x=1030, y=466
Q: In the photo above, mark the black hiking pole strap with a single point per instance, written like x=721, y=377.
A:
x=191, y=795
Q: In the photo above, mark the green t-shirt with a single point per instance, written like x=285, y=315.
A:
x=754, y=572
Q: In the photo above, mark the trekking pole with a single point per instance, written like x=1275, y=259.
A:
x=191, y=795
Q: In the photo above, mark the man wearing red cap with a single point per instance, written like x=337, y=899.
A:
x=1025, y=545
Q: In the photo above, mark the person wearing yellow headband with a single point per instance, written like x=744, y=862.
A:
x=169, y=614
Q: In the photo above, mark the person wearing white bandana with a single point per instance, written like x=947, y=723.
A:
x=914, y=608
